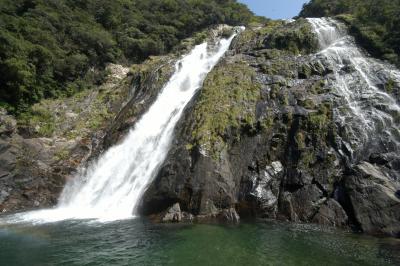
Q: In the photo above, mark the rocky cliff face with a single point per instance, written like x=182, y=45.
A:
x=43, y=149
x=52, y=143
x=261, y=140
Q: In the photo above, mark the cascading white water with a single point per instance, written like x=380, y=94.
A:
x=111, y=188
x=368, y=116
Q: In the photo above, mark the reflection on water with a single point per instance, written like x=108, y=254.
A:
x=138, y=242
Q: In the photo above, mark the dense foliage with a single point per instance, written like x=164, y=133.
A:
x=374, y=23
x=50, y=48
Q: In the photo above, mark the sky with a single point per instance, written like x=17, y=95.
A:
x=275, y=9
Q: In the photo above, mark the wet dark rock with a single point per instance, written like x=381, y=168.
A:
x=348, y=68
x=372, y=194
x=288, y=159
x=229, y=215
x=304, y=203
x=331, y=213
x=262, y=139
x=380, y=159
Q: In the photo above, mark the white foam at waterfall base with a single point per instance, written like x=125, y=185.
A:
x=111, y=188
x=366, y=113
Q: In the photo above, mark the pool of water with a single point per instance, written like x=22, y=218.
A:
x=139, y=242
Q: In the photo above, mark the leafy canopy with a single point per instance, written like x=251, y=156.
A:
x=52, y=48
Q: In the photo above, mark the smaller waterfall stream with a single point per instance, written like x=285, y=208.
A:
x=369, y=117
x=111, y=188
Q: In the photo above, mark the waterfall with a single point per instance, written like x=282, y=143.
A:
x=367, y=116
x=112, y=187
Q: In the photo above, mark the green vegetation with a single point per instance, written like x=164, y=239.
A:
x=227, y=102
x=62, y=154
x=55, y=48
x=87, y=111
x=294, y=37
x=42, y=118
x=373, y=23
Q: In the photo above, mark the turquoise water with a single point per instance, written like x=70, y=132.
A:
x=138, y=242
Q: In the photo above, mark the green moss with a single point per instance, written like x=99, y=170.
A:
x=279, y=66
x=318, y=87
x=200, y=37
x=62, y=154
x=345, y=18
x=227, y=100
x=272, y=54
x=390, y=86
x=317, y=121
x=189, y=146
x=74, y=116
x=296, y=38
x=273, y=93
x=255, y=34
x=284, y=98
x=245, y=37
x=320, y=121
x=227, y=32
x=90, y=110
x=268, y=120
x=40, y=118
x=98, y=118
x=300, y=140
x=26, y=158
x=269, y=27
x=307, y=158
x=305, y=72
x=150, y=64
x=308, y=104
x=288, y=117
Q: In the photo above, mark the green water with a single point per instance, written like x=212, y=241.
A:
x=138, y=242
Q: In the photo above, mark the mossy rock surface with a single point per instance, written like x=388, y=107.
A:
x=296, y=38
x=227, y=102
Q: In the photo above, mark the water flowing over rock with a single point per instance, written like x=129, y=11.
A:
x=368, y=119
x=296, y=129
x=112, y=186
x=295, y=123
x=368, y=116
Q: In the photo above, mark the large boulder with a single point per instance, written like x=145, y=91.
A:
x=373, y=195
x=331, y=213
